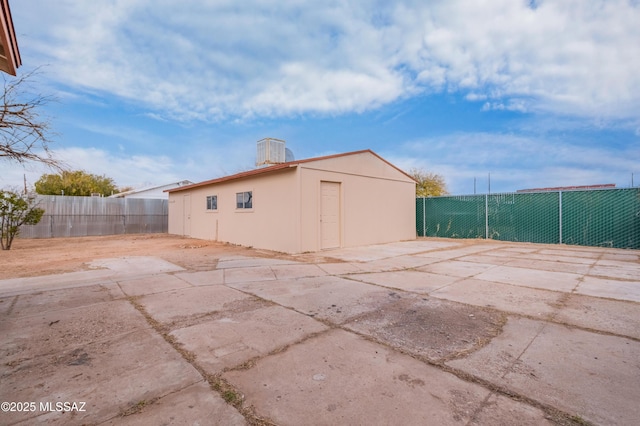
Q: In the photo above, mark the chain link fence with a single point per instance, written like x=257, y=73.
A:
x=602, y=218
x=88, y=216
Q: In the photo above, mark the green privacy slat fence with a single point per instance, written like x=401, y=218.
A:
x=524, y=217
x=609, y=218
x=453, y=217
x=603, y=218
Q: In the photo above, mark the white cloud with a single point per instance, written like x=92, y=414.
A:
x=571, y=57
x=202, y=158
x=515, y=162
x=137, y=170
x=209, y=60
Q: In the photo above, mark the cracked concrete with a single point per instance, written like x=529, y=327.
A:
x=430, y=331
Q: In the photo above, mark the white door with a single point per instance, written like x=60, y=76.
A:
x=186, y=215
x=329, y=215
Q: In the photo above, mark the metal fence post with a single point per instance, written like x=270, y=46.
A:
x=486, y=216
x=597, y=217
x=560, y=215
x=124, y=216
x=424, y=217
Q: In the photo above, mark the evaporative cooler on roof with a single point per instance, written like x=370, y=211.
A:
x=270, y=151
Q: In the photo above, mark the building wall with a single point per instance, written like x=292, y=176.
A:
x=270, y=224
x=377, y=205
x=377, y=202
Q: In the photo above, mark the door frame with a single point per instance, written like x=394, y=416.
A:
x=338, y=215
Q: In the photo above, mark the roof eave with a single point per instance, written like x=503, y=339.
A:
x=282, y=166
x=10, y=55
x=241, y=175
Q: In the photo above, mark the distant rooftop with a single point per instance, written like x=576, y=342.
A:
x=160, y=189
x=570, y=188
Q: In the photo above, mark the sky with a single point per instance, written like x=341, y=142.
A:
x=510, y=94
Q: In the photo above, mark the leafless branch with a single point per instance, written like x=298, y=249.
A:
x=24, y=132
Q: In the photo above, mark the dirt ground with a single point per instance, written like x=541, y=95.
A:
x=35, y=257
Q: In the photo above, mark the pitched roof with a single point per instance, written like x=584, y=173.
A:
x=150, y=188
x=282, y=166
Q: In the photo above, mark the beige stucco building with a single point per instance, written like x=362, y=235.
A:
x=342, y=200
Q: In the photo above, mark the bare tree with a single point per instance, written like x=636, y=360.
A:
x=24, y=132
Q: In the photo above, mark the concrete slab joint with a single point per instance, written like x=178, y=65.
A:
x=431, y=331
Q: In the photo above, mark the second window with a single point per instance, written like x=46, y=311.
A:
x=244, y=200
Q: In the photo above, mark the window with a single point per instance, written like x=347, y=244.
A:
x=244, y=200
x=212, y=202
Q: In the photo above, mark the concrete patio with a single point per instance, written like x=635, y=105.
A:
x=432, y=331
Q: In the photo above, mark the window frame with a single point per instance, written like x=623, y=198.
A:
x=208, y=205
x=242, y=206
